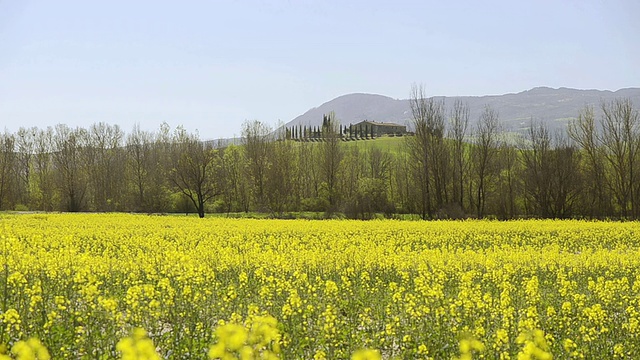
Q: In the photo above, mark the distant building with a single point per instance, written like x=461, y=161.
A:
x=380, y=128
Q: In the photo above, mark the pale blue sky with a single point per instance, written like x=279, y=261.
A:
x=210, y=65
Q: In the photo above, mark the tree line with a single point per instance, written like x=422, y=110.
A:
x=347, y=133
x=448, y=168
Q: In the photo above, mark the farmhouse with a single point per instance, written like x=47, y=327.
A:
x=381, y=128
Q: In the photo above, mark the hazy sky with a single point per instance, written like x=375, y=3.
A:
x=211, y=65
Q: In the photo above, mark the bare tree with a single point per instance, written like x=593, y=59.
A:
x=43, y=169
x=139, y=145
x=405, y=191
x=309, y=176
x=484, y=156
x=418, y=146
x=566, y=177
x=551, y=176
x=458, y=131
x=620, y=140
x=25, y=146
x=332, y=155
x=427, y=150
x=69, y=162
x=280, y=184
x=160, y=169
x=439, y=153
x=353, y=168
x=373, y=189
x=193, y=169
x=7, y=159
x=233, y=179
x=257, y=141
x=584, y=132
x=104, y=158
x=509, y=180
x=536, y=158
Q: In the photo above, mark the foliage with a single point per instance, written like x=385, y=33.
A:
x=450, y=166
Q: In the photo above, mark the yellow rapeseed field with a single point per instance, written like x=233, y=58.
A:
x=104, y=286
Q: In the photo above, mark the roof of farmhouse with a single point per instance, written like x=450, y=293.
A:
x=378, y=123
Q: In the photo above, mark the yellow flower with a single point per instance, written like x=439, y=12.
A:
x=320, y=355
x=31, y=349
x=366, y=354
x=260, y=338
x=137, y=347
x=469, y=345
x=535, y=346
x=233, y=336
x=331, y=288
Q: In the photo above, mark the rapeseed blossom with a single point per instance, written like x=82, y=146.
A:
x=366, y=354
x=318, y=289
x=137, y=347
x=31, y=349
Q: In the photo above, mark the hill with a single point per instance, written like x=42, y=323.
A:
x=555, y=107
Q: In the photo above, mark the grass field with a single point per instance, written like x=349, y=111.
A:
x=393, y=144
x=101, y=286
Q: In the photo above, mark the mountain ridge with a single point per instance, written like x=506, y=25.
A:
x=553, y=106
